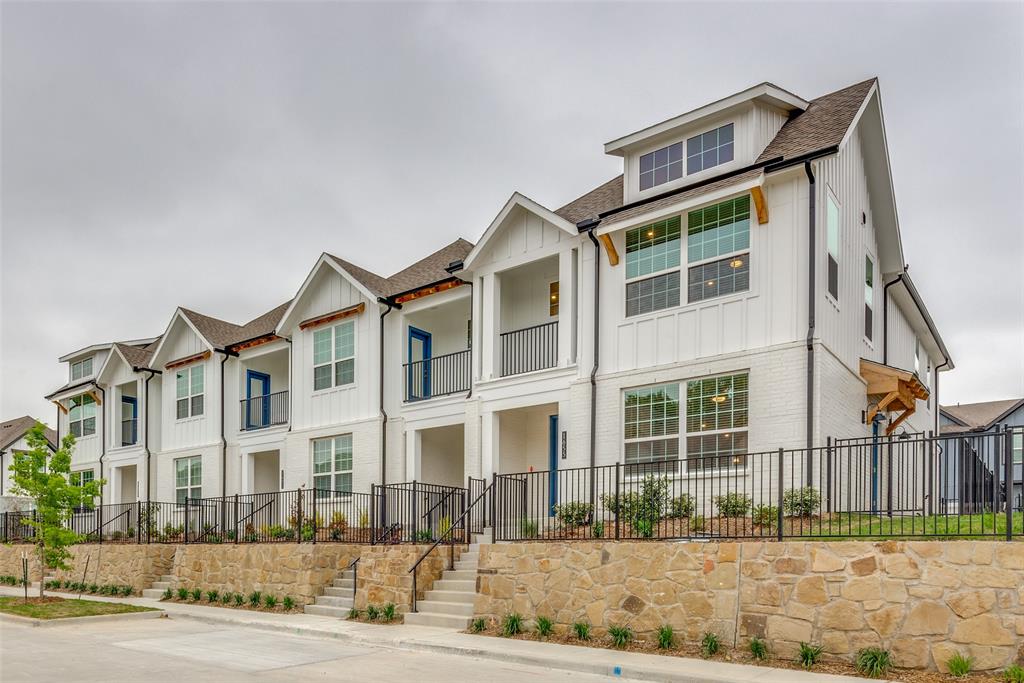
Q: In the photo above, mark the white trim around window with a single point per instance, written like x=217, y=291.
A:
x=188, y=478
x=332, y=465
x=334, y=356
x=190, y=389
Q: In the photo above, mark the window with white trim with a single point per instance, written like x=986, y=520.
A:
x=1018, y=447
x=718, y=249
x=832, y=243
x=189, y=383
x=716, y=422
x=334, y=351
x=869, y=297
x=188, y=478
x=651, y=249
x=82, y=368
x=81, y=478
x=661, y=166
x=709, y=149
x=332, y=465
x=651, y=424
x=82, y=416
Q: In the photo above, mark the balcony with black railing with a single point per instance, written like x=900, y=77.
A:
x=129, y=432
x=529, y=349
x=261, y=412
x=438, y=376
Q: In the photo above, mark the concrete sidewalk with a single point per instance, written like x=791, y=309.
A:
x=628, y=665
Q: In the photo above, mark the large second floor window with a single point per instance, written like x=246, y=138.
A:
x=189, y=384
x=334, y=351
x=709, y=149
x=652, y=249
x=332, y=464
x=716, y=422
x=832, y=243
x=188, y=478
x=82, y=416
x=661, y=166
x=82, y=368
x=718, y=249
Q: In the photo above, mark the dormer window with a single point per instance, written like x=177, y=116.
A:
x=82, y=368
x=709, y=149
x=661, y=166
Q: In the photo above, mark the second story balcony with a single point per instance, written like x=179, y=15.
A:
x=529, y=349
x=530, y=315
x=263, y=376
x=436, y=349
x=260, y=412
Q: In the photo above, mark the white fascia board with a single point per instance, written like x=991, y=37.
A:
x=324, y=260
x=114, y=351
x=81, y=352
x=683, y=205
x=516, y=200
x=764, y=92
x=76, y=390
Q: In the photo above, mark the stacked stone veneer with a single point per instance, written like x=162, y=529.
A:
x=923, y=601
x=383, y=574
x=135, y=565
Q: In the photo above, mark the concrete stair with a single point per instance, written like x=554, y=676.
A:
x=337, y=598
x=156, y=591
x=449, y=603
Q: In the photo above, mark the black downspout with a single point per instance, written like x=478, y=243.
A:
x=885, y=318
x=391, y=305
x=103, y=433
x=145, y=436
x=811, y=303
x=469, y=342
x=597, y=348
x=223, y=440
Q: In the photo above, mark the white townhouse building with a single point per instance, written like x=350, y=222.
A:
x=12, y=441
x=600, y=332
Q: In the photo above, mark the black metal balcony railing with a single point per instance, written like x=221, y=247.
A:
x=529, y=349
x=129, y=432
x=260, y=412
x=438, y=376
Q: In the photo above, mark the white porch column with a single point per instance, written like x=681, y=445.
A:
x=413, y=455
x=490, y=444
x=566, y=306
x=490, y=328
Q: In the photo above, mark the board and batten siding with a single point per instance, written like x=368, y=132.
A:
x=771, y=312
x=330, y=292
x=191, y=431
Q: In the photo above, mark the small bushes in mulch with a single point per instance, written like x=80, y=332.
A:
x=256, y=600
x=376, y=614
x=113, y=590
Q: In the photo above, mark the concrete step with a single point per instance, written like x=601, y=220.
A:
x=327, y=611
x=469, y=557
x=161, y=584
x=460, y=574
x=344, y=583
x=447, y=584
x=451, y=621
x=465, y=566
x=334, y=601
x=463, y=609
x=338, y=592
x=153, y=593
x=167, y=577
x=450, y=596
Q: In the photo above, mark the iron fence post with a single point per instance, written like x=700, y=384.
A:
x=828, y=475
x=781, y=490
x=138, y=522
x=373, y=515
x=495, y=536
x=298, y=515
x=186, y=520
x=312, y=505
x=237, y=530
x=99, y=529
x=1008, y=487
x=618, y=498
x=930, y=508
x=415, y=513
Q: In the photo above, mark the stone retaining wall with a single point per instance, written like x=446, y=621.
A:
x=384, y=575
x=135, y=565
x=921, y=600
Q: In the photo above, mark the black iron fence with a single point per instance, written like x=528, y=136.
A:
x=529, y=349
x=416, y=512
x=260, y=412
x=438, y=376
x=959, y=485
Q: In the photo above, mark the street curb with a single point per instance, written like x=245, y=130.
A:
x=64, y=621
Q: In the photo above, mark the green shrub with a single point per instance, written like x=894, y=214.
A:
x=666, y=637
x=424, y=536
x=809, y=655
x=183, y=594
x=959, y=666
x=573, y=514
x=67, y=584
x=270, y=601
x=168, y=594
x=512, y=624
x=582, y=630
x=254, y=598
x=239, y=599
x=732, y=504
x=196, y=594
x=529, y=528
x=387, y=613
x=698, y=523
x=127, y=590
x=544, y=627
x=682, y=506
x=597, y=529
x=803, y=502
x=1014, y=674
x=372, y=612
x=225, y=598
x=873, y=661
x=478, y=625
x=354, y=613
x=758, y=649
x=288, y=603
x=620, y=635
x=621, y=504
x=93, y=588
x=766, y=515
x=710, y=644
x=212, y=595
x=644, y=528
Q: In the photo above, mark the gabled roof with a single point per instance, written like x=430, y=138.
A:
x=602, y=198
x=262, y=325
x=219, y=333
x=430, y=269
x=980, y=416
x=377, y=285
x=518, y=200
x=137, y=356
x=12, y=430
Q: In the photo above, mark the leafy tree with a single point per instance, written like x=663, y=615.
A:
x=44, y=476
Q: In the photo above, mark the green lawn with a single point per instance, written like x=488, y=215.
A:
x=872, y=527
x=62, y=609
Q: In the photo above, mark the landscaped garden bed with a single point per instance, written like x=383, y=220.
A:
x=385, y=614
x=254, y=600
x=871, y=662
x=108, y=589
x=52, y=607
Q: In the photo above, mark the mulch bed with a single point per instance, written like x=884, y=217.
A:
x=231, y=605
x=692, y=651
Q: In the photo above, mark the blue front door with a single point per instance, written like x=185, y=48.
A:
x=419, y=364
x=553, y=462
x=257, y=399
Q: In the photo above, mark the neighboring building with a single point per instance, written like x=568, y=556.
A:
x=969, y=420
x=12, y=440
x=781, y=315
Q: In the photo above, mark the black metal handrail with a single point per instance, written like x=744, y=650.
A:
x=529, y=349
x=129, y=432
x=450, y=533
x=260, y=412
x=354, y=566
x=438, y=376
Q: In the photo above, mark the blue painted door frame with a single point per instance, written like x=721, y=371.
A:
x=553, y=462
x=252, y=377
x=134, y=403
x=421, y=375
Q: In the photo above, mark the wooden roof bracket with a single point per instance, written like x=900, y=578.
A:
x=760, y=204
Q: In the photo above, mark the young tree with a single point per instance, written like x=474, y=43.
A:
x=44, y=476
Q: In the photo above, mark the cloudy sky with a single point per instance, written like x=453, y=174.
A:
x=204, y=154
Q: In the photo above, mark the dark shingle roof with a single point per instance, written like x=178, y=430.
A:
x=430, y=269
x=979, y=415
x=137, y=356
x=263, y=325
x=602, y=198
x=218, y=332
x=823, y=124
x=377, y=285
x=12, y=430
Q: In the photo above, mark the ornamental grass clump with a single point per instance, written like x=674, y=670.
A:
x=666, y=638
x=288, y=603
x=959, y=666
x=183, y=594
x=758, y=649
x=873, y=661
x=512, y=624
x=254, y=598
x=239, y=599
x=1014, y=674
x=212, y=595
x=270, y=601
x=582, y=630
x=809, y=655
x=196, y=595
x=372, y=612
x=478, y=625
x=621, y=635
x=710, y=644
x=387, y=613
x=544, y=627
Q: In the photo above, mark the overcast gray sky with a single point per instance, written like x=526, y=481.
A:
x=204, y=154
